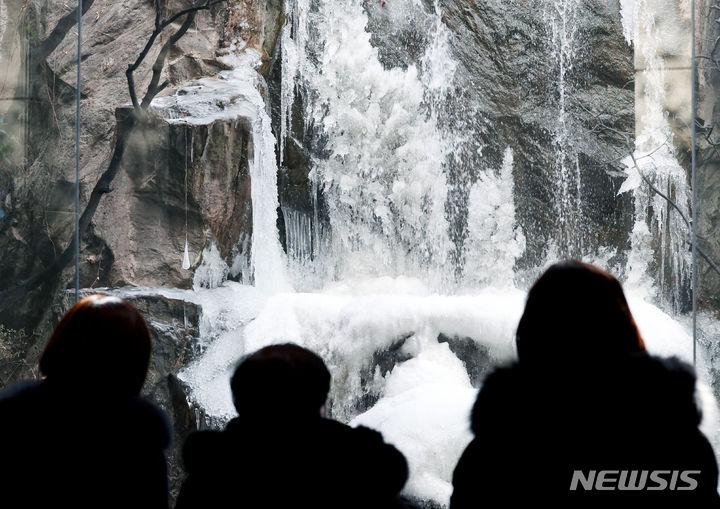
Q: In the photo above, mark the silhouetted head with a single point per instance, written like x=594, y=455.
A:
x=285, y=382
x=576, y=312
x=101, y=344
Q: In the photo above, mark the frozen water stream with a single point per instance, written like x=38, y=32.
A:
x=399, y=335
x=423, y=403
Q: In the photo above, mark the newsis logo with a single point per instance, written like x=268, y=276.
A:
x=634, y=480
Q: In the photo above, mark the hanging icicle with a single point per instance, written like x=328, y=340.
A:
x=186, y=254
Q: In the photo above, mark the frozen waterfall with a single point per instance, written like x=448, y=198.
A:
x=398, y=322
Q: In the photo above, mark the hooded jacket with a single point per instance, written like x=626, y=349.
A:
x=316, y=463
x=59, y=448
x=576, y=435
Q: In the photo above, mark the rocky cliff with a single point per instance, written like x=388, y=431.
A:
x=560, y=98
x=168, y=173
x=557, y=117
x=708, y=157
x=563, y=102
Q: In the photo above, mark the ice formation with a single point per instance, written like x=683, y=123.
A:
x=627, y=11
x=186, y=256
x=494, y=241
x=381, y=274
x=561, y=16
x=661, y=35
x=233, y=95
x=384, y=150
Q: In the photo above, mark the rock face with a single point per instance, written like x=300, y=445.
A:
x=708, y=157
x=563, y=102
x=521, y=104
x=181, y=182
x=177, y=180
x=37, y=182
x=513, y=103
x=258, y=24
x=147, y=199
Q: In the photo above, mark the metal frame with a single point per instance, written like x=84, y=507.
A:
x=77, y=150
x=693, y=183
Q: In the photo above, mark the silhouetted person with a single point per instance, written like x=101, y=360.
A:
x=281, y=452
x=82, y=437
x=584, y=396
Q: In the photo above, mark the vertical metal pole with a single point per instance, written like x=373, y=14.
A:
x=693, y=106
x=77, y=151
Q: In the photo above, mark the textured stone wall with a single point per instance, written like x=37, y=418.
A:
x=708, y=155
x=147, y=198
x=509, y=65
x=143, y=221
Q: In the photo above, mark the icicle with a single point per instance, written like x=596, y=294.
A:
x=656, y=34
x=290, y=42
x=186, y=256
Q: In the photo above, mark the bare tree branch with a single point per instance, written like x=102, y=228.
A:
x=675, y=206
x=101, y=187
x=655, y=190
x=125, y=127
x=159, y=27
x=52, y=41
x=709, y=260
x=153, y=88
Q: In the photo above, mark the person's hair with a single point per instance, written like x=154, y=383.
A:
x=102, y=341
x=280, y=381
x=576, y=311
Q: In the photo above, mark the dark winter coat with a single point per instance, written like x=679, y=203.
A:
x=58, y=449
x=535, y=427
x=320, y=464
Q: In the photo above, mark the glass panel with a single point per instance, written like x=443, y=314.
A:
x=37, y=175
x=707, y=31
x=378, y=181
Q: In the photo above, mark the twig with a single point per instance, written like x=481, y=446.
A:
x=705, y=257
x=52, y=41
x=102, y=186
x=154, y=89
x=674, y=205
x=657, y=191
